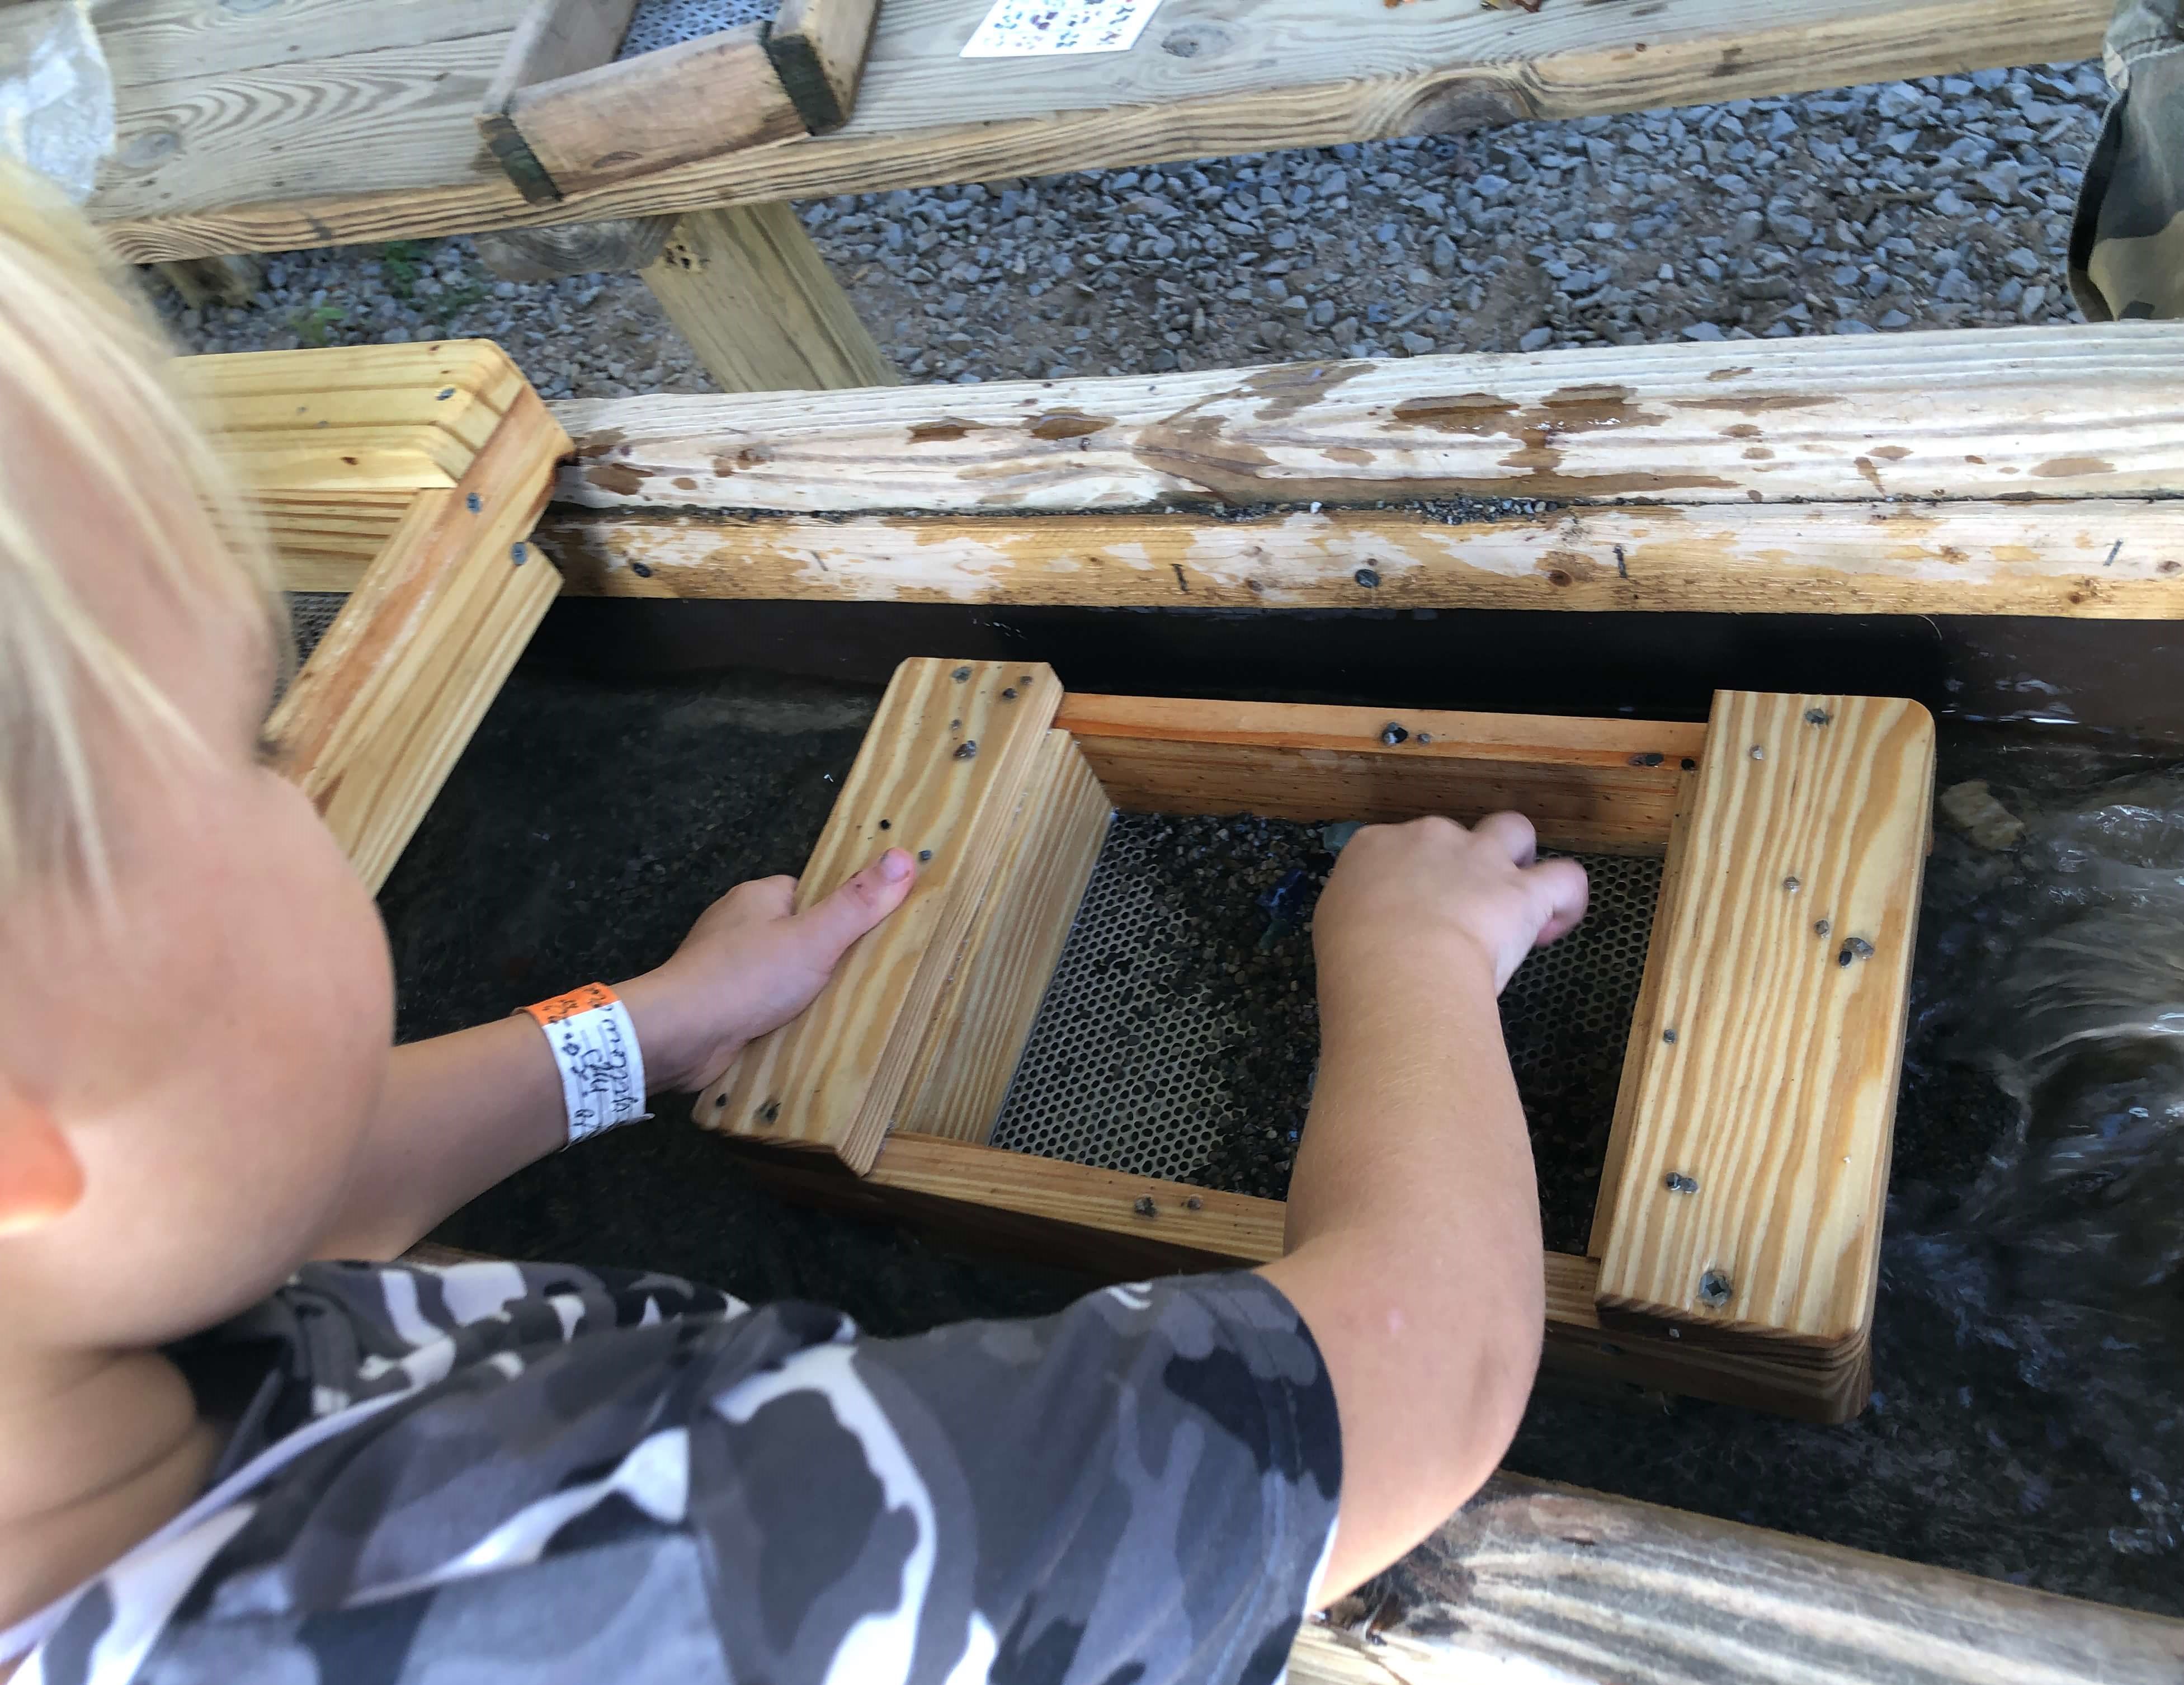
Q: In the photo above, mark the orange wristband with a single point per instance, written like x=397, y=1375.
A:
x=592, y=1041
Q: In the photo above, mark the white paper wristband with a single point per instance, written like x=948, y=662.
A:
x=602, y=1067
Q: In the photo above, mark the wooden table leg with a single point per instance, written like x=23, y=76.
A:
x=755, y=299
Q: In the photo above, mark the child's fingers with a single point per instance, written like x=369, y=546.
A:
x=859, y=904
x=1512, y=833
x=1561, y=887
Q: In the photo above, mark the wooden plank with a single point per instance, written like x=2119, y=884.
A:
x=756, y=301
x=1541, y=1582
x=2106, y=558
x=1645, y=1012
x=2064, y=412
x=818, y=48
x=640, y=116
x=1770, y=1057
x=300, y=157
x=477, y=368
x=939, y=772
x=377, y=716
x=1602, y=785
x=993, y=993
x=398, y=118
x=1097, y=1220
x=150, y=41
x=555, y=38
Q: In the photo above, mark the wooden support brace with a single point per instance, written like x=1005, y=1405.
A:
x=941, y=772
x=757, y=303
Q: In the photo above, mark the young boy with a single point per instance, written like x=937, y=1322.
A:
x=222, y=1461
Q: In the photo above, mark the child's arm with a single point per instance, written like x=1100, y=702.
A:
x=1414, y=1219
x=460, y=1113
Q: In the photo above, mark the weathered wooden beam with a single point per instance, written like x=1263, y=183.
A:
x=818, y=49
x=1546, y=1583
x=2089, y=411
x=2087, y=558
x=279, y=150
x=555, y=38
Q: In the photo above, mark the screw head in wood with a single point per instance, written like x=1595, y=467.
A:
x=1854, y=948
x=1425, y=737
x=1393, y=733
x=473, y=503
x=1791, y=886
x=925, y=855
x=1366, y=578
x=1817, y=717
x=960, y=674
x=1677, y=1182
x=1714, y=1289
x=1759, y=751
x=1668, y=1035
x=1009, y=694
x=967, y=749
x=1822, y=928
x=1144, y=1206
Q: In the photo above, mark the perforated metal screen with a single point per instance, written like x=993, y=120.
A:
x=662, y=23
x=1141, y=1047
x=309, y=614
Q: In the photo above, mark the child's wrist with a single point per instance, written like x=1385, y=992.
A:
x=681, y=1043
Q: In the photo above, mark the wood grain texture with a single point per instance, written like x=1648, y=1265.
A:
x=616, y=246
x=993, y=991
x=1770, y=1060
x=558, y=38
x=1543, y=1583
x=759, y=305
x=2084, y=558
x=961, y=1194
x=818, y=48
x=939, y=772
x=1212, y=77
x=1604, y=785
x=375, y=721
x=555, y=38
x=2084, y=411
x=149, y=41
x=637, y=116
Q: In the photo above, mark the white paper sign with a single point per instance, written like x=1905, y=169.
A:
x=1022, y=29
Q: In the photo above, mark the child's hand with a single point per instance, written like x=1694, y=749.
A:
x=749, y=965
x=1433, y=889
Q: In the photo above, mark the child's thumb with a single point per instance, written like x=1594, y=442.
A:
x=860, y=904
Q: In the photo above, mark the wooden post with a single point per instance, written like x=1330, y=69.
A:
x=755, y=299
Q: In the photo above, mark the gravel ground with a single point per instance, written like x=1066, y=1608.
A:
x=1941, y=202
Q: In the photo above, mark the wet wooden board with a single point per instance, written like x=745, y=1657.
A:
x=940, y=772
x=1536, y=1581
x=1754, y=1160
x=2085, y=411
x=322, y=121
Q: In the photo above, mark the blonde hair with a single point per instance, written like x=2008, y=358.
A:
x=84, y=375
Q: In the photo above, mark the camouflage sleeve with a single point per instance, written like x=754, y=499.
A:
x=556, y=1474
x=1142, y=1488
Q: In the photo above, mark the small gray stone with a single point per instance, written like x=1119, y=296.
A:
x=1536, y=339
x=1702, y=330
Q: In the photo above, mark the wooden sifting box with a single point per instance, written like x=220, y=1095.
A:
x=1734, y=1246
x=408, y=476
x=563, y=114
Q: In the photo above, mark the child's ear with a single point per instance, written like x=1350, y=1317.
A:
x=40, y=1177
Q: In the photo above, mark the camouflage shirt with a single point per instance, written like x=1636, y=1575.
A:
x=537, y=1473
